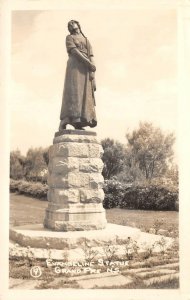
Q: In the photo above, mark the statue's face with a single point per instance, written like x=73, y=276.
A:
x=73, y=26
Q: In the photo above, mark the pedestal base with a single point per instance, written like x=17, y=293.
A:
x=75, y=183
x=88, y=217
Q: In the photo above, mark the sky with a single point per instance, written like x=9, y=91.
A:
x=135, y=51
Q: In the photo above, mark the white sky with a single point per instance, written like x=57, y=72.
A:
x=136, y=57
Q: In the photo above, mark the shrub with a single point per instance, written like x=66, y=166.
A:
x=114, y=193
x=14, y=185
x=142, y=196
x=150, y=197
x=34, y=189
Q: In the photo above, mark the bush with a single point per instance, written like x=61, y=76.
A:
x=34, y=189
x=142, y=196
x=14, y=185
x=114, y=193
x=152, y=197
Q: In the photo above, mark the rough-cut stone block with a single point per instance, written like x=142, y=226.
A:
x=61, y=150
x=73, y=180
x=74, y=145
x=64, y=196
x=64, y=165
x=91, y=196
x=95, y=150
x=58, y=150
x=72, y=195
x=78, y=180
x=66, y=149
x=57, y=181
x=96, y=181
x=60, y=166
x=78, y=150
x=91, y=165
x=84, y=165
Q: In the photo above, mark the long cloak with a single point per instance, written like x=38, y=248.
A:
x=78, y=103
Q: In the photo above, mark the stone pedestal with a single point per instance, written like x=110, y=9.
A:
x=75, y=182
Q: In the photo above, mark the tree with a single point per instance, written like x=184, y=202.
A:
x=46, y=155
x=150, y=150
x=35, y=164
x=173, y=174
x=17, y=162
x=130, y=173
x=113, y=157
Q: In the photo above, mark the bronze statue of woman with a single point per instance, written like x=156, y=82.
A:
x=78, y=102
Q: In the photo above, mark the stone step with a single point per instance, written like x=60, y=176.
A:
x=155, y=273
x=102, y=280
x=139, y=265
x=18, y=284
x=37, y=236
x=159, y=267
x=160, y=279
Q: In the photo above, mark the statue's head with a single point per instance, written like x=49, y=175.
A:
x=73, y=25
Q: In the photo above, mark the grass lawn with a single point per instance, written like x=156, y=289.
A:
x=25, y=210
x=143, y=219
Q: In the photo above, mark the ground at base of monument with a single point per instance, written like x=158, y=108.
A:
x=73, y=245
x=132, y=262
x=148, y=270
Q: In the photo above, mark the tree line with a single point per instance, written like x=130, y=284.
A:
x=147, y=154
x=32, y=167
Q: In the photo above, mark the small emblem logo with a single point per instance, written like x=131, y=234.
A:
x=35, y=272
